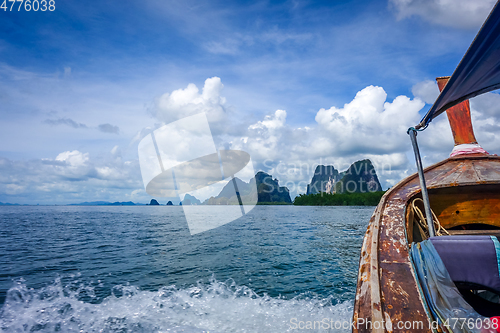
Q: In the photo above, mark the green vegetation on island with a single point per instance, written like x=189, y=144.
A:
x=339, y=199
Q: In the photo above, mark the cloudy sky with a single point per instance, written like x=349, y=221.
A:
x=293, y=83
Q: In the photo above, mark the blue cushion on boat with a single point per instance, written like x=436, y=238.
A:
x=470, y=259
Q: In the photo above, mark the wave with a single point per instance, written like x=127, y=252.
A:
x=208, y=307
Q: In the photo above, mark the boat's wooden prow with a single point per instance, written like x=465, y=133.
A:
x=465, y=196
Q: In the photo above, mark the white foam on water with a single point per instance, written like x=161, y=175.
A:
x=211, y=307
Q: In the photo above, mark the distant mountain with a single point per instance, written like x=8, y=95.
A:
x=9, y=204
x=268, y=192
x=128, y=203
x=229, y=190
x=153, y=202
x=324, y=179
x=190, y=200
x=92, y=203
x=361, y=177
x=106, y=203
x=228, y=194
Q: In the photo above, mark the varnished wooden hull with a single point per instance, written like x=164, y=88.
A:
x=462, y=190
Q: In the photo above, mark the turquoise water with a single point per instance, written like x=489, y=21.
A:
x=138, y=269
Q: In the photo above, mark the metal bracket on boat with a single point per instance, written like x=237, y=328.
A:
x=412, y=132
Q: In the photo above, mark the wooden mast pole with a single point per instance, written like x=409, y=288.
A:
x=459, y=118
x=461, y=126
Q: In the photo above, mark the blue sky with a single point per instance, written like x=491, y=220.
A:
x=294, y=82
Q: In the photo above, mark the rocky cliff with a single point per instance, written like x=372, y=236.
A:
x=324, y=179
x=269, y=191
x=361, y=177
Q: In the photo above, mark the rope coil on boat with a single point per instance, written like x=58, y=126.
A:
x=420, y=221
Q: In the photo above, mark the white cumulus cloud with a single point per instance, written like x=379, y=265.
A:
x=74, y=164
x=265, y=136
x=369, y=124
x=72, y=176
x=427, y=91
x=186, y=102
x=464, y=14
x=485, y=120
x=73, y=158
x=271, y=122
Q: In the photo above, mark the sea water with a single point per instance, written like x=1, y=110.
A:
x=138, y=269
